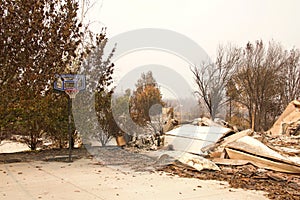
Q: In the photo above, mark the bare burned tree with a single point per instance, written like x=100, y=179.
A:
x=265, y=82
x=259, y=82
x=291, y=77
x=211, y=79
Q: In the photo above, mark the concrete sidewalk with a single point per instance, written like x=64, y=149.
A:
x=84, y=179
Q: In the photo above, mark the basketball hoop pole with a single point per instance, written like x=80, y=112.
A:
x=69, y=129
x=72, y=94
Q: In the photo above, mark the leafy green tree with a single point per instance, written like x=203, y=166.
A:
x=38, y=40
x=109, y=128
x=121, y=104
x=99, y=91
x=56, y=119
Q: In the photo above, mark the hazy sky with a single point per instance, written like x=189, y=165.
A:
x=207, y=22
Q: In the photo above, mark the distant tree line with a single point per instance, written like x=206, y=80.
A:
x=254, y=83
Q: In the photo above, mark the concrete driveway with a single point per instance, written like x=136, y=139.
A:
x=87, y=179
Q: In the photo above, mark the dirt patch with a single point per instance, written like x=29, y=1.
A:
x=117, y=156
x=43, y=155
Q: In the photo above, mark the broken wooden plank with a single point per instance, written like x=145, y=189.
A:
x=235, y=137
x=218, y=147
x=252, y=146
x=263, y=162
x=234, y=162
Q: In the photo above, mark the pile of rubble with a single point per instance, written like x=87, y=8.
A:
x=277, y=185
x=141, y=143
x=207, y=144
x=268, y=161
x=277, y=149
x=151, y=137
x=249, y=147
x=289, y=121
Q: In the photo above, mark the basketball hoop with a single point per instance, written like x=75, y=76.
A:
x=71, y=92
x=66, y=82
x=71, y=84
